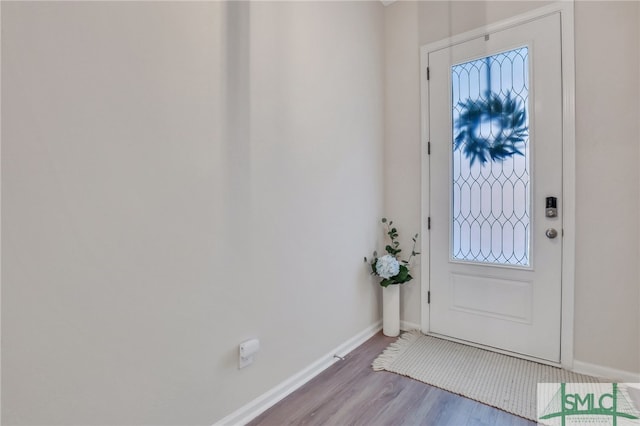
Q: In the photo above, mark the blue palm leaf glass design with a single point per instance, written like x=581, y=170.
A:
x=491, y=161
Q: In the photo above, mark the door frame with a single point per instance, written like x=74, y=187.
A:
x=565, y=9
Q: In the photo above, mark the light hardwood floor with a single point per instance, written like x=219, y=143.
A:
x=351, y=393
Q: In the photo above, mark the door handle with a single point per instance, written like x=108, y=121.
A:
x=551, y=233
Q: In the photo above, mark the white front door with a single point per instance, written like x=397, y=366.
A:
x=495, y=130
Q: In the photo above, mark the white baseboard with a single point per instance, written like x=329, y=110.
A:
x=605, y=372
x=253, y=409
x=408, y=326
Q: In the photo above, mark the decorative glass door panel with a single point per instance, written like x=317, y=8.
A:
x=490, y=161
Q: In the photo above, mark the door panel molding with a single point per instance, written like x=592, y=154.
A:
x=469, y=293
x=565, y=10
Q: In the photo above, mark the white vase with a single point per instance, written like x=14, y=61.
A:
x=391, y=310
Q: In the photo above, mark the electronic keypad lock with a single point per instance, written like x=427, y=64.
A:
x=552, y=207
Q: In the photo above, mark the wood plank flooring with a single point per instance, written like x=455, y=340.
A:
x=351, y=393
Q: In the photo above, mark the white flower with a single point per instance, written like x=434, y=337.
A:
x=387, y=266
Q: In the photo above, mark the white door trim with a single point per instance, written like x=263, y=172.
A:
x=565, y=8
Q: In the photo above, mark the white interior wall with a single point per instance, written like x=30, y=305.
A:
x=607, y=289
x=402, y=163
x=176, y=178
x=607, y=325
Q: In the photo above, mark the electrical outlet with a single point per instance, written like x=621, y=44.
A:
x=246, y=352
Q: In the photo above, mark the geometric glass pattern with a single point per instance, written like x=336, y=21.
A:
x=490, y=160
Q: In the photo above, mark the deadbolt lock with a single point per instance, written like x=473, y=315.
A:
x=551, y=209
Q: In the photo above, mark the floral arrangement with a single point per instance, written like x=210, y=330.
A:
x=390, y=267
